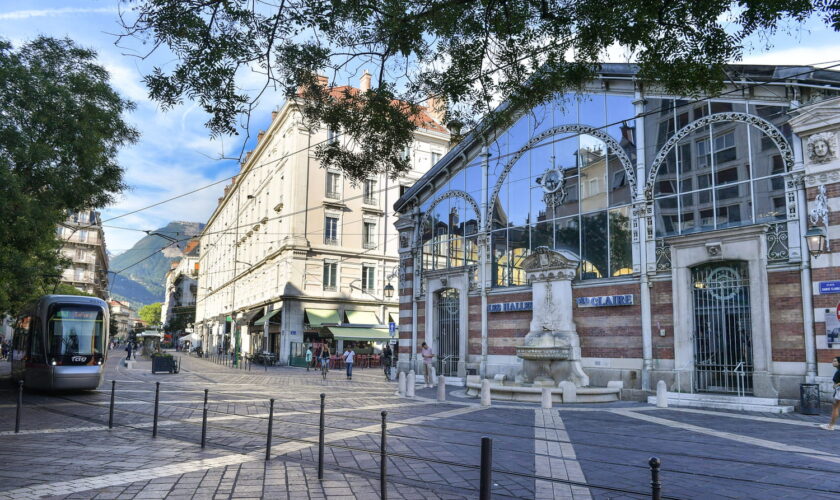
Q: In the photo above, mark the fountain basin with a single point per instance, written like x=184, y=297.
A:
x=532, y=394
x=543, y=353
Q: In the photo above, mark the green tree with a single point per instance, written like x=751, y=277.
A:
x=66, y=289
x=150, y=313
x=61, y=127
x=472, y=54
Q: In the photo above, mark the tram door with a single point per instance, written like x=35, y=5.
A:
x=723, y=358
x=447, y=333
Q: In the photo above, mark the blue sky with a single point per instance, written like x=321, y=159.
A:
x=175, y=153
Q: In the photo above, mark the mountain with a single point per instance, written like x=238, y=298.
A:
x=142, y=268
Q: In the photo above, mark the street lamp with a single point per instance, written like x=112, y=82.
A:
x=389, y=290
x=817, y=241
x=155, y=233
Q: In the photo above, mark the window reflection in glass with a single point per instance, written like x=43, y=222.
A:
x=592, y=157
x=567, y=234
x=769, y=195
x=621, y=250
x=594, y=246
x=733, y=205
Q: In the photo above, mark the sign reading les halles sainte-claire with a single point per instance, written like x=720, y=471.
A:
x=526, y=305
x=605, y=300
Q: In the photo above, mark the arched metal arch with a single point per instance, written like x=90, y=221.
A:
x=613, y=147
x=760, y=123
x=455, y=193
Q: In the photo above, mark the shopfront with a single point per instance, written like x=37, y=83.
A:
x=687, y=216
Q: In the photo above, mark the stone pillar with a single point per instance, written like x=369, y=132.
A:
x=409, y=384
x=569, y=391
x=545, y=400
x=401, y=385
x=661, y=394
x=441, y=389
x=485, y=392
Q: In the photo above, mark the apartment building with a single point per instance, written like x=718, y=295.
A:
x=293, y=248
x=125, y=316
x=84, y=246
x=181, y=288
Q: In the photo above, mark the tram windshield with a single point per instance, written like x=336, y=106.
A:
x=75, y=329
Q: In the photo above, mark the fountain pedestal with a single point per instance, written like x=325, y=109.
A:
x=551, y=352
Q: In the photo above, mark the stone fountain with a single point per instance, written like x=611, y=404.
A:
x=551, y=353
x=551, y=350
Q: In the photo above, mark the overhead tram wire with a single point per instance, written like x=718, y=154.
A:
x=831, y=64
x=571, y=135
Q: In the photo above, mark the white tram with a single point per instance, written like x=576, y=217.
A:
x=60, y=342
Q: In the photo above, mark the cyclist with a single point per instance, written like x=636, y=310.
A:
x=325, y=361
x=387, y=355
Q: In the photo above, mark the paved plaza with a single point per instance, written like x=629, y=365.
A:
x=66, y=450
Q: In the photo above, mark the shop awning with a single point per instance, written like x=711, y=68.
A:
x=362, y=318
x=317, y=317
x=267, y=317
x=359, y=334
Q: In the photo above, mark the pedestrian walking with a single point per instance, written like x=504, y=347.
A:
x=835, y=408
x=128, y=350
x=428, y=355
x=349, y=355
x=387, y=356
x=308, y=357
x=325, y=361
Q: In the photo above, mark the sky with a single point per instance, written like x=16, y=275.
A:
x=175, y=153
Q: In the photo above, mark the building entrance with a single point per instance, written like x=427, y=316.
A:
x=448, y=332
x=723, y=360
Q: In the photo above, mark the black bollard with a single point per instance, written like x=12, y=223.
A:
x=655, y=484
x=157, y=402
x=19, y=405
x=268, y=437
x=321, y=440
x=383, y=461
x=486, y=481
x=111, y=410
x=204, y=421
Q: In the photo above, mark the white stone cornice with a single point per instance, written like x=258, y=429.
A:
x=820, y=178
x=817, y=117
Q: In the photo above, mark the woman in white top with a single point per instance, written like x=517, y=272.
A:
x=349, y=354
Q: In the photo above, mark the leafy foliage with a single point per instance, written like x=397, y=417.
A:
x=66, y=289
x=61, y=127
x=472, y=54
x=150, y=313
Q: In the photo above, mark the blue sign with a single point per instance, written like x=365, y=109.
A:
x=606, y=301
x=829, y=287
x=510, y=306
x=392, y=329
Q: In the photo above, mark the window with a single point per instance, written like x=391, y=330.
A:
x=369, y=192
x=435, y=158
x=330, y=273
x=332, y=136
x=368, y=278
x=369, y=235
x=403, y=190
x=331, y=230
x=83, y=235
x=333, y=181
x=725, y=148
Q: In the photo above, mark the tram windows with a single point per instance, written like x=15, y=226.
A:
x=75, y=329
x=36, y=352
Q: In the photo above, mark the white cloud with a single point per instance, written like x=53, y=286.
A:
x=797, y=56
x=26, y=14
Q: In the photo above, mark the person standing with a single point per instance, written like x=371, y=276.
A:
x=835, y=408
x=308, y=357
x=128, y=350
x=387, y=356
x=349, y=355
x=428, y=355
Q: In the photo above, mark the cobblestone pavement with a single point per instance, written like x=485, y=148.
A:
x=66, y=450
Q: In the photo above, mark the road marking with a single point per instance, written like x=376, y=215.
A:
x=107, y=480
x=747, y=417
x=764, y=443
x=555, y=458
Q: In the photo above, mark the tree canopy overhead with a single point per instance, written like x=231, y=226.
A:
x=472, y=54
x=61, y=127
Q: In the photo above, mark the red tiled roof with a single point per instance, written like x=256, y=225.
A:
x=423, y=120
x=190, y=246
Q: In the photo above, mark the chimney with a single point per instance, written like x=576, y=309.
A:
x=364, y=82
x=260, y=136
x=273, y=115
x=436, y=108
x=323, y=80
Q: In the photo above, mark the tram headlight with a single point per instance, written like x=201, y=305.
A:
x=99, y=362
x=53, y=362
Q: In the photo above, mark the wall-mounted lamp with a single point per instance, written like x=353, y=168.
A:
x=817, y=241
x=389, y=291
x=817, y=236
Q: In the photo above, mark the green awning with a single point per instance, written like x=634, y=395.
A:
x=317, y=317
x=267, y=317
x=362, y=318
x=347, y=333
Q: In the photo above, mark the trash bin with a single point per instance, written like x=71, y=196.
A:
x=809, y=399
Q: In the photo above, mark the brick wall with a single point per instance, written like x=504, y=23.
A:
x=609, y=332
x=662, y=318
x=785, y=292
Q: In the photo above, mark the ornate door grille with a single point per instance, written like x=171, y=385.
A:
x=723, y=358
x=448, y=329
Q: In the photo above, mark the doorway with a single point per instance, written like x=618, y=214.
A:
x=447, y=335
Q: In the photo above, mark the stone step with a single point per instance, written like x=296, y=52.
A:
x=724, y=402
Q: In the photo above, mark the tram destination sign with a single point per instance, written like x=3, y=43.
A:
x=605, y=301
x=525, y=305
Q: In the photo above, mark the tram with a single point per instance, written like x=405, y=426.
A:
x=60, y=343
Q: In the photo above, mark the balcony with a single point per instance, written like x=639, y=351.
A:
x=370, y=200
x=332, y=195
x=331, y=241
x=369, y=245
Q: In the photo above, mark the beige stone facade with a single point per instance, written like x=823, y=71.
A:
x=84, y=246
x=289, y=235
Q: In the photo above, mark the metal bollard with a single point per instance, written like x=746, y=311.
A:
x=486, y=481
x=655, y=484
x=383, y=460
x=270, y=422
x=157, y=401
x=204, y=420
x=321, y=440
x=19, y=404
x=111, y=410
